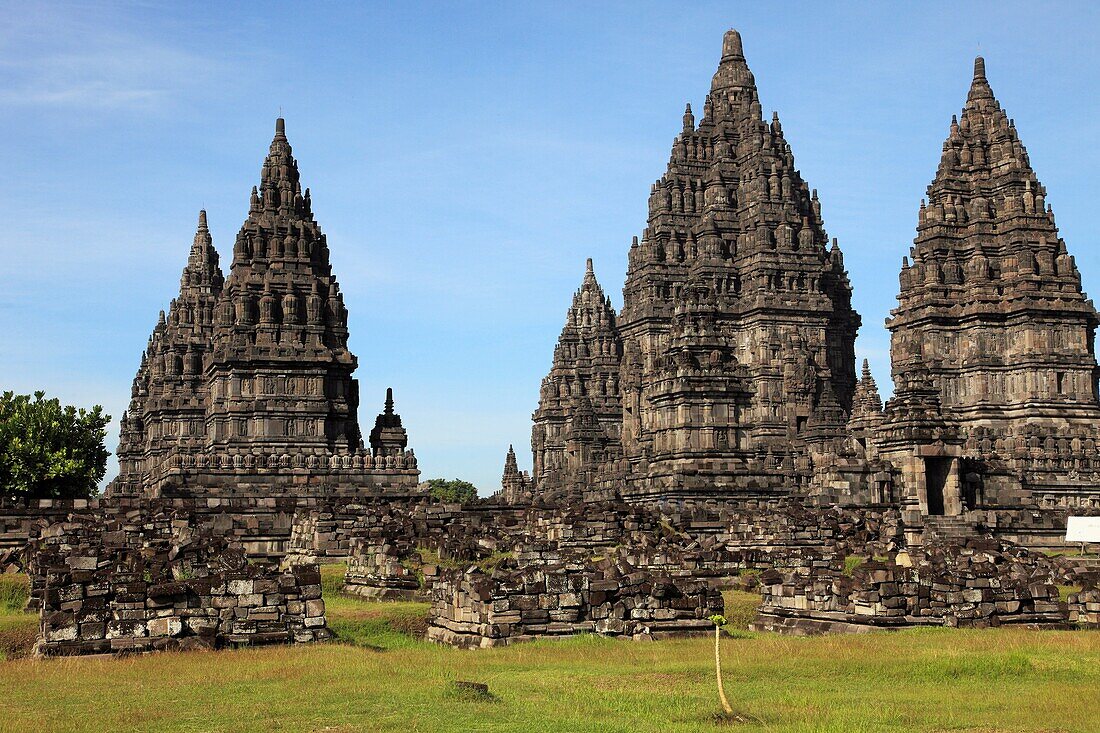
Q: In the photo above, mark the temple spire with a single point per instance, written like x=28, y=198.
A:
x=982, y=152
x=987, y=260
x=202, y=246
x=731, y=45
x=979, y=87
x=579, y=409
x=388, y=438
x=733, y=87
x=280, y=184
x=202, y=270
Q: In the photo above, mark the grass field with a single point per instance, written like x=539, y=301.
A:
x=383, y=679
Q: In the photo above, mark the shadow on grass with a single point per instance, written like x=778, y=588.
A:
x=734, y=718
x=466, y=691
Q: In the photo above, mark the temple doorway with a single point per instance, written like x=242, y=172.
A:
x=936, y=471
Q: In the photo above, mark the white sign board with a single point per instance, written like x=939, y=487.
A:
x=1083, y=529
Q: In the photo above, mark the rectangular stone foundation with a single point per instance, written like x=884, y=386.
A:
x=474, y=609
x=137, y=581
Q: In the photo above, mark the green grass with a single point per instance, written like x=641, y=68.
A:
x=18, y=630
x=851, y=562
x=382, y=679
x=740, y=609
x=1065, y=591
x=14, y=592
x=431, y=557
x=378, y=626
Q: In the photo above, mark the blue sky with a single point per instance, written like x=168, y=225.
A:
x=465, y=159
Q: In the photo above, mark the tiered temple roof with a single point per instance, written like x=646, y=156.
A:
x=733, y=218
x=169, y=395
x=515, y=485
x=281, y=369
x=254, y=373
x=576, y=426
x=991, y=301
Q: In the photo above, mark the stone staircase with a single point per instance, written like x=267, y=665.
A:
x=946, y=528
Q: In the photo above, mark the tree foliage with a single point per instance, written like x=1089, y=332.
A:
x=454, y=490
x=48, y=451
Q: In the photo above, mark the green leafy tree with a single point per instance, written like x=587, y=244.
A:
x=454, y=490
x=48, y=451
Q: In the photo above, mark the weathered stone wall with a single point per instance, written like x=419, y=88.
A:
x=323, y=534
x=711, y=543
x=134, y=580
x=981, y=583
x=265, y=526
x=385, y=572
x=20, y=519
x=1084, y=606
x=541, y=594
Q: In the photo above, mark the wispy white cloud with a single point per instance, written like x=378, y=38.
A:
x=79, y=57
x=98, y=94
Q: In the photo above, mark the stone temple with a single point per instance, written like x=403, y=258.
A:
x=991, y=312
x=733, y=359
x=715, y=425
x=246, y=384
x=730, y=374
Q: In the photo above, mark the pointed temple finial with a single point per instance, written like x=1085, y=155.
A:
x=731, y=44
x=979, y=87
x=280, y=127
x=201, y=245
x=866, y=369
x=588, y=265
x=389, y=400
